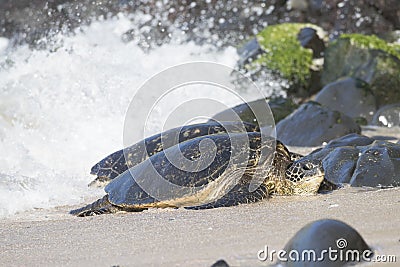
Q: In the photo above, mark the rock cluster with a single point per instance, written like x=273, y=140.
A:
x=355, y=78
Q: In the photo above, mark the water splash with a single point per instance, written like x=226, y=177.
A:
x=62, y=109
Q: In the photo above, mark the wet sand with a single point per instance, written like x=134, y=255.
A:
x=196, y=238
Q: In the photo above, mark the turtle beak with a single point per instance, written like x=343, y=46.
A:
x=312, y=184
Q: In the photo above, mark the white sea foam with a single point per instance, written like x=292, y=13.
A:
x=62, y=111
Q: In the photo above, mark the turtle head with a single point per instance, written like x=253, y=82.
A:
x=304, y=177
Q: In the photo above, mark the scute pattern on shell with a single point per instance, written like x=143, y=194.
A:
x=118, y=162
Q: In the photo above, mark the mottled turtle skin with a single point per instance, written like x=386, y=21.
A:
x=221, y=184
x=116, y=163
x=359, y=161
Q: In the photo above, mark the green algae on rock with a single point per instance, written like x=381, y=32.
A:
x=372, y=42
x=284, y=55
x=367, y=58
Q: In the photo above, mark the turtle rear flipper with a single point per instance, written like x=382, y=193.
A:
x=238, y=195
x=100, y=206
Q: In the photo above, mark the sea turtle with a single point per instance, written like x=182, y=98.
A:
x=119, y=161
x=225, y=182
x=358, y=160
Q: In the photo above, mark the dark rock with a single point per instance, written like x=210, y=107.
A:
x=346, y=158
x=280, y=107
x=389, y=9
x=350, y=140
x=351, y=96
x=328, y=235
x=220, y=263
x=297, y=5
x=230, y=22
x=309, y=38
x=367, y=58
x=361, y=121
x=29, y=21
x=248, y=52
x=360, y=161
x=368, y=16
x=316, y=5
x=388, y=116
x=312, y=125
x=392, y=36
x=378, y=165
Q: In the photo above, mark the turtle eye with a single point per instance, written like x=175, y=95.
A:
x=308, y=166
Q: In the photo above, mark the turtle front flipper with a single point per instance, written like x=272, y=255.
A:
x=100, y=206
x=238, y=195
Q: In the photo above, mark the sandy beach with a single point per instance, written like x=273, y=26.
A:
x=194, y=238
x=197, y=238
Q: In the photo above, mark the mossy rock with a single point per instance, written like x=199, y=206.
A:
x=283, y=55
x=367, y=58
